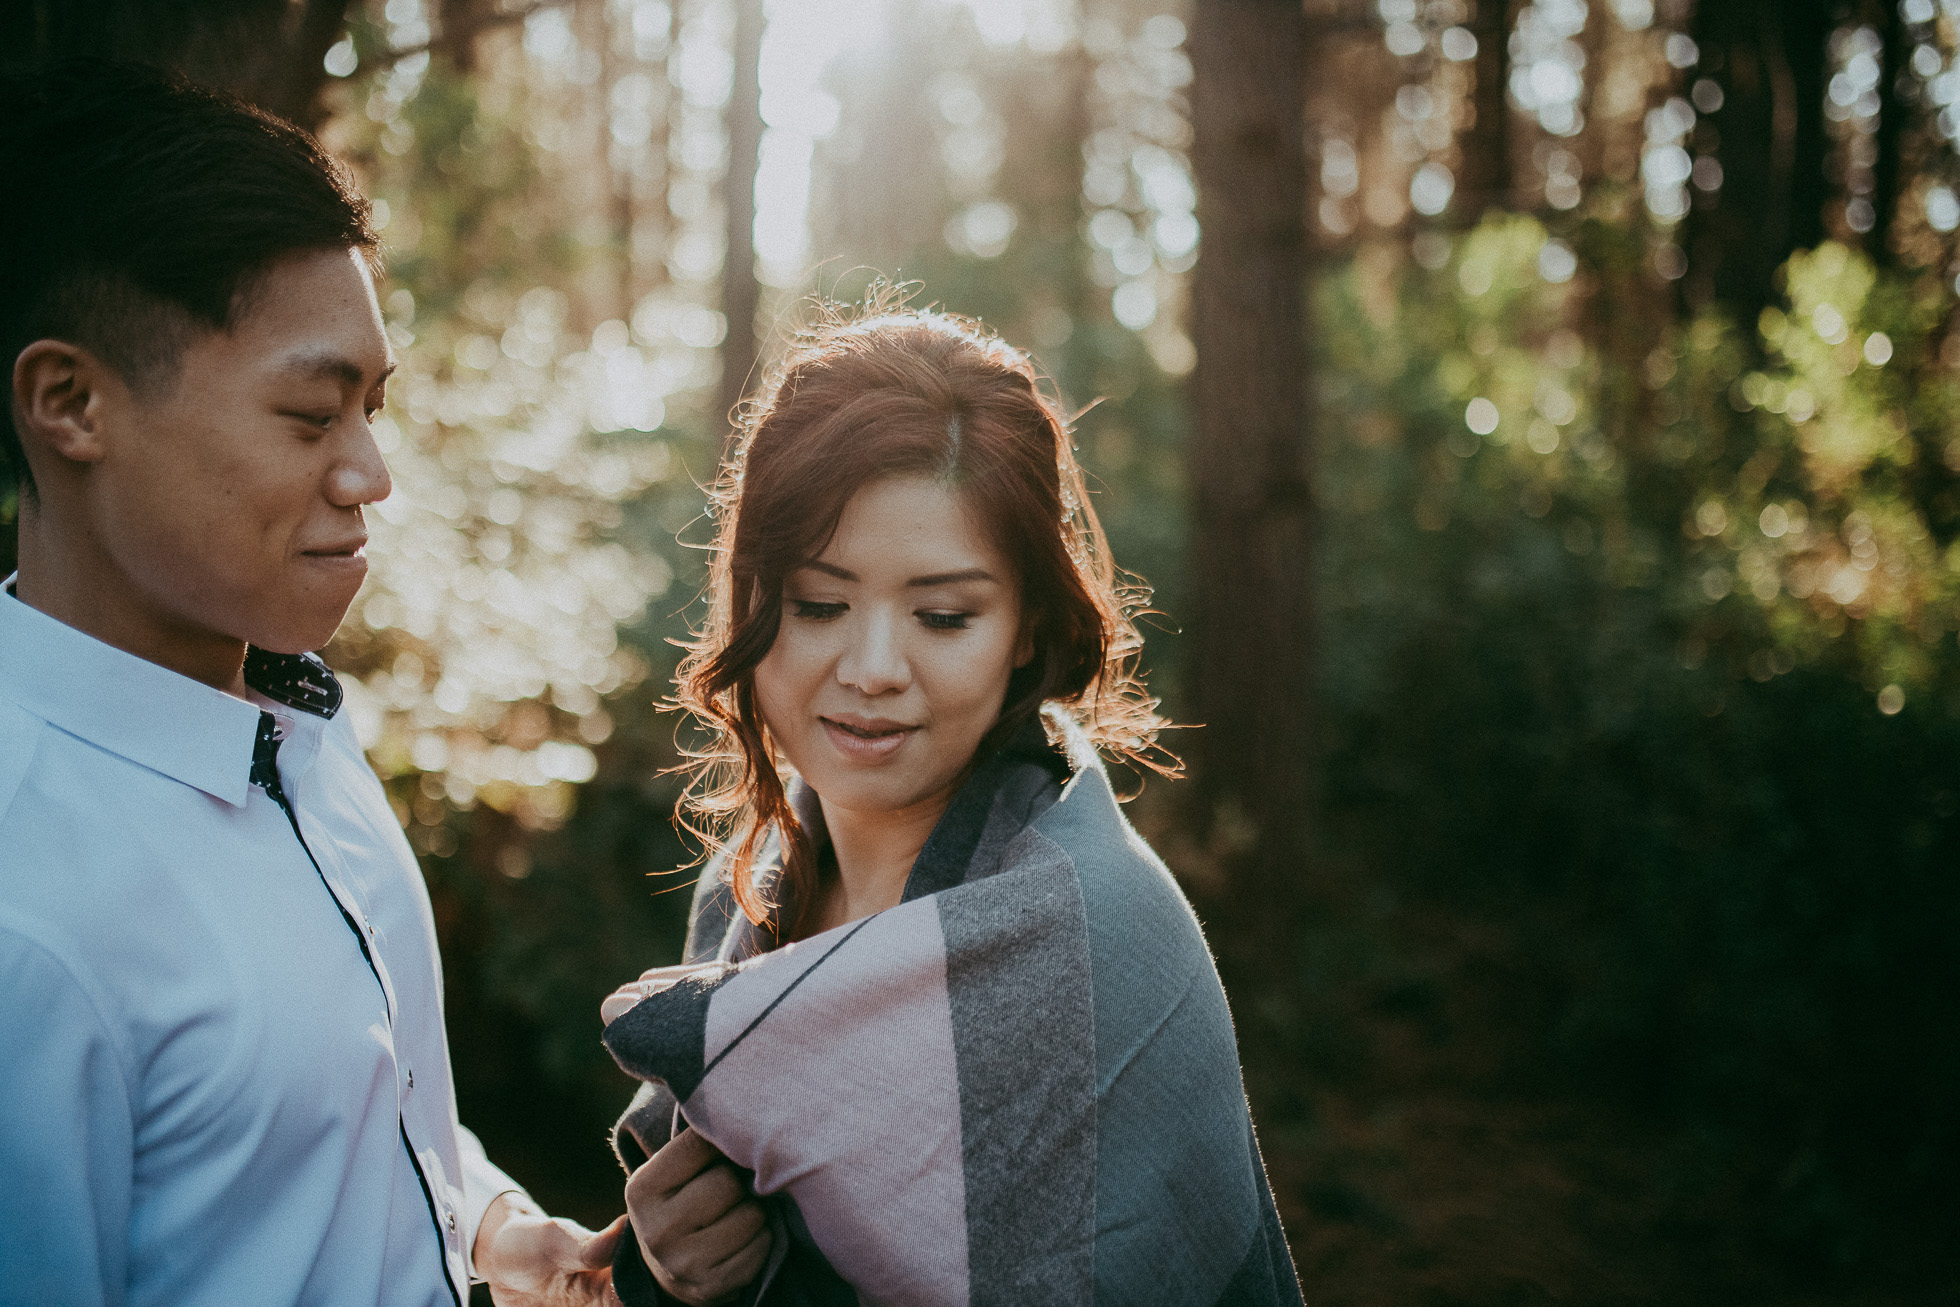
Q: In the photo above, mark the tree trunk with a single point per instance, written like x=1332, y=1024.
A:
x=457, y=24
x=1251, y=460
x=1772, y=67
x=620, y=165
x=662, y=149
x=1888, y=171
x=1486, y=183
x=271, y=52
x=740, y=294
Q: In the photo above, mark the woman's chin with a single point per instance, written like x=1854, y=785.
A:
x=882, y=776
x=865, y=792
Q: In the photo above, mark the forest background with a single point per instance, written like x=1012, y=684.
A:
x=1537, y=420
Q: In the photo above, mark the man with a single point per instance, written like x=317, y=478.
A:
x=223, y=1076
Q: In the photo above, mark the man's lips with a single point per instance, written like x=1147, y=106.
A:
x=865, y=739
x=346, y=561
x=345, y=549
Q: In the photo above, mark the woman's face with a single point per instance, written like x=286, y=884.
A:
x=894, y=651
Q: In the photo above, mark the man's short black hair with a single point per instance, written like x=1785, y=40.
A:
x=142, y=209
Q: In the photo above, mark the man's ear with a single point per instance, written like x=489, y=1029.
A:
x=60, y=396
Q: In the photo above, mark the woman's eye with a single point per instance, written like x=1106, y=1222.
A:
x=321, y=420
x=814, y=611
x=945, y=621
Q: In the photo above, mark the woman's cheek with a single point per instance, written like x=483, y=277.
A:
x=981, y=678
x=802, y=660
x=780, y=692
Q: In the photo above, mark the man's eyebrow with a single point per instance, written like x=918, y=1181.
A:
x=310, y=364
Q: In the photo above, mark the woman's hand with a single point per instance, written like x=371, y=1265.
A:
x=704, y=1235
x=628, y=996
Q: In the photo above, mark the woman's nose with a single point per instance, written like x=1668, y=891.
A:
x=874, y=663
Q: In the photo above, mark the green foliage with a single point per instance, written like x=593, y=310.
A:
x=1697, y=759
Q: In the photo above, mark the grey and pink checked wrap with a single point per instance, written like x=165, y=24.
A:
x=1019, y=1086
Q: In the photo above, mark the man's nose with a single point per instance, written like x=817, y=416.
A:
x=361, y=475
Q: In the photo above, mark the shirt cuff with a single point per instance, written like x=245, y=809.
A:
x=483, y=1184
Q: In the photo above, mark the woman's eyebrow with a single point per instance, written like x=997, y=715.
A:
x=937, y=578
x=953, y=578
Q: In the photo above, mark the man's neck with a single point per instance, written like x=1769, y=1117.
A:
x=69, y=582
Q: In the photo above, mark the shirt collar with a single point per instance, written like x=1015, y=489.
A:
x=150, y=715
x=299, y=681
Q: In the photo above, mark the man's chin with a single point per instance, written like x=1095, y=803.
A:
x=314, y=610
x=301, y=633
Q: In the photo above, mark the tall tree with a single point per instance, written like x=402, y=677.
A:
x=877, y=189
x=613, y=68
x=460, y=24
x=271, y=52
x=741, y=295
x=1894, y=108
x=1487, y=182
x=1251, y=460
x=1770, y=58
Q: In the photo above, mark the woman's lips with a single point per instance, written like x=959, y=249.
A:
x=866, y=743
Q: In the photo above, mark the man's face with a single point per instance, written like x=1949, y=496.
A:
x=228, y=507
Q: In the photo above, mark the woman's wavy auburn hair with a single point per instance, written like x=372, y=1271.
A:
x=891, y=394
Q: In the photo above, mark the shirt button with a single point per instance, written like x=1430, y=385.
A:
x=452, y=1220
x=411, y=1077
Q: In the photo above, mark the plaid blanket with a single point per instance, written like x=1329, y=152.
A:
x=1018, y=1086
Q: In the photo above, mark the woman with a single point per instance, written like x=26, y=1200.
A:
x=940, y=1001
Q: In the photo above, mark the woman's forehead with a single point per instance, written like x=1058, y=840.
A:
x=909, y=527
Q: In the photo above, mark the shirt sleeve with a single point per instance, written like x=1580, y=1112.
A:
x=66, y=1138
x=483, y=1184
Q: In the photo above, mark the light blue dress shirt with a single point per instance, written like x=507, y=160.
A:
x=207, y=1093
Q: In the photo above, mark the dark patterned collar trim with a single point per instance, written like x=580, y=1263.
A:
x=299, y=681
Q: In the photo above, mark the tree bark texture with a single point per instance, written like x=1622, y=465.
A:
x=458, y=24
x=270, y=52
x=1888, y=172
x=1251, y=458
x=621, y=200
x=740, y=294
x=1770, y=58
x=1487, y=181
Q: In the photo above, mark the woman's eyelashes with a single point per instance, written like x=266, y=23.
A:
x=817, y=610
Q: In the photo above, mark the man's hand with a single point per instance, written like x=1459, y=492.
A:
x=704, y=1236
x=533, y=1260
